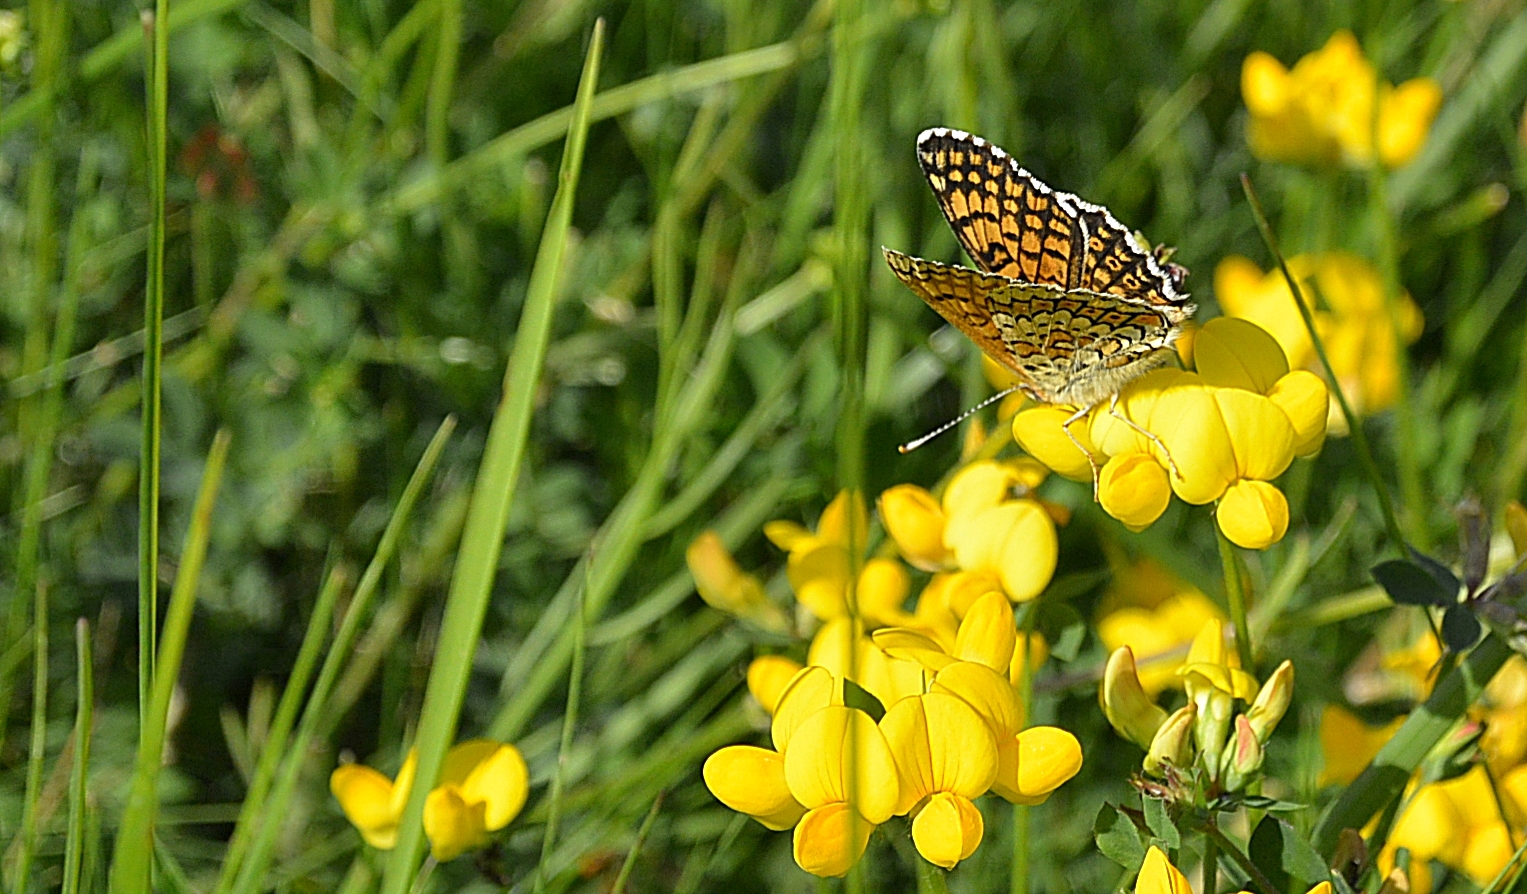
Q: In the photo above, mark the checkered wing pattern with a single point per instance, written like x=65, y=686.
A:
x=1013, y=225
x=1067, y=346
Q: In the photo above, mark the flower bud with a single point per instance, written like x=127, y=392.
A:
x=1243, y=758
x=1212, y=725
x=1272, y=702
x=1253, y=514
x=1173, y=743
x=726, y=587
x=1128, y=709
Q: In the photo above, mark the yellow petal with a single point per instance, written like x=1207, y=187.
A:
x=751, y=780
x=1047, y=758
x=988, y=633
x=1188, y=421
x=1038, y=430
x=1348, y=744
x=1264, y=86
x=830, y=839
x=365, y=796
x=492, y=773
x=1034, y=653
x=1260, y=434
x=959, y=591
x=812, y=689
x=453, y=824
x=947, y=830
x=941, y=745
x=1016, y=540
x=987, y=691
x=1159, y=876
x=913, y=645
x=1405, y=118
x=786, y=534
x=1238, y=280
x=1431, y=827
x=977, y=487
x=1253, y=514
x=1306, y=401
x=915, y=520
x=819, y=573
x=818, y=759
x=1133, y=488
x=882, y=590
x=845, y=509
x=1236, y=353
x=768, y=675
x=1487, y=851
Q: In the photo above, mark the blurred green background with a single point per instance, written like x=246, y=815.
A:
x=357, y=191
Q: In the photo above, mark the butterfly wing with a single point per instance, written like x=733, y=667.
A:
x=960, y=296
x=1014, y=225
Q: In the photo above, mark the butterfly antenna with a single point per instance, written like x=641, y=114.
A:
x=918, y=442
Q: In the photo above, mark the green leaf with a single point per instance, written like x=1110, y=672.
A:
x=1443, y=574
x=1063, y=627
x=1282, y=855
x=856, y=696
x=1271, y=805
x=1159, y=821
x=1460, y=629
x=1118, y=838
x=1409, y=584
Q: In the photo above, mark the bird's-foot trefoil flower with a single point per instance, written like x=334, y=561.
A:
x=483, y=786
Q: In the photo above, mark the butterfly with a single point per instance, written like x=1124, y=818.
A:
x=1067, y=298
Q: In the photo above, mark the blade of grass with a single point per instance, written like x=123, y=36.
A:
x=564, y=749
x=1359, y=439
x=39, y=745
x=636, y=847
x=132, y=855
x=153, y=358
x=79, y=772
x=488, y=514
x=272, y=785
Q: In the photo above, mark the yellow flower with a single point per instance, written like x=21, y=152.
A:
x=768, y=676
x=1125, y=703
x=1346, y=295
x=1155, y=633
x=1456, y=823
x=1322, y=112
x=1159, y=876
x=1218, y=434
x=726, y=587
x=946, y=757
x=840, y=811
x=1031, y=763
x=888, y=678
x=483, y=786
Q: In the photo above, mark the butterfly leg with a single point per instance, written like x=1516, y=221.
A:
x=1113, y=410
x=1092, y=461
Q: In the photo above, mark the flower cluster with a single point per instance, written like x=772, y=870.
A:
x=1206, y=739
x=483, y=786
x=834, y=773
x=1217, y=435
x=1359, y=331
x=1322, y=112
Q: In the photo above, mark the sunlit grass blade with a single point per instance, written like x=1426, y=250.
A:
x=483, y=537
x=79, y=771
x=38, y=748
x=1354, y=425
x=636, y=847
x=276, y=775
x=135, y=837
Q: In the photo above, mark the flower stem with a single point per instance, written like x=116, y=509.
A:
x=1020, y=880
x=1214, y=838
x=1211, y=864
x=1235, y=595
x=1359, y=440
x=930, y=879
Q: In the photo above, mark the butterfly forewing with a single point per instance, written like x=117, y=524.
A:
x=1014, y=225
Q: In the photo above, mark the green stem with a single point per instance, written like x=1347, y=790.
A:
x=1235, y=597
x=564, y=751
x=1214, y=839
x=1359, y=440
x=1411, y=490
x=1211, y=864
x=1019, y=883
x=930, y=878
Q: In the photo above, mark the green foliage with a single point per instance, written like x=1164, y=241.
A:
x=360, y=203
